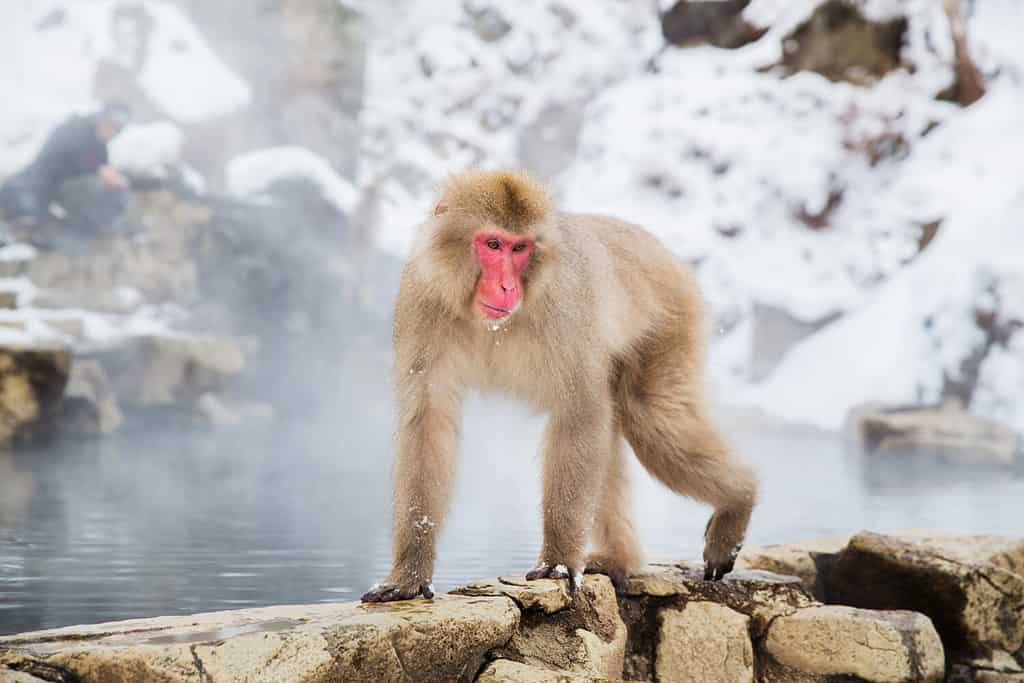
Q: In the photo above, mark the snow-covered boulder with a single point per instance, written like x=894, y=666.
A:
x=951, y=322
x=252, y=174
x=147, y=149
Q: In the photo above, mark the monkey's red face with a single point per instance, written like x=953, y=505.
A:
x=503, y=257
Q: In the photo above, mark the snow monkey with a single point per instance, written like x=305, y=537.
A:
x=592, y=321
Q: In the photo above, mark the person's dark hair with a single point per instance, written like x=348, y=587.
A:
x=117, y=112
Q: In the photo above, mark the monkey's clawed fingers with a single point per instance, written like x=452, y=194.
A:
x=392, y=592
x=714, y=570
x=559, y=571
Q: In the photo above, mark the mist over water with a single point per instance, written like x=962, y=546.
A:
x=171, y=522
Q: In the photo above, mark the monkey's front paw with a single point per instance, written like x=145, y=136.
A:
x=559, y=571
x=717, y=564
x=618, y=575
x=390, y=592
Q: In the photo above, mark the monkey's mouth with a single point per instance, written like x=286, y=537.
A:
x=501, y=312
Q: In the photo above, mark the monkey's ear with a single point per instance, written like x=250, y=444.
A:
x=441, y=207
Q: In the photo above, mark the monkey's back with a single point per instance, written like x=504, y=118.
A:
x=648, y=285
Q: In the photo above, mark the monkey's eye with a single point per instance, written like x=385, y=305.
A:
x=493, y=244
x=519, y=247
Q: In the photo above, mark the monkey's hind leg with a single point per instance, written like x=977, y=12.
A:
x=676, y=443
x=616, y=549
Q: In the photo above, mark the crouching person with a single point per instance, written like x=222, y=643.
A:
x=73, y=170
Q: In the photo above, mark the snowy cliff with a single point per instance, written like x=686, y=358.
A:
x=788, y=191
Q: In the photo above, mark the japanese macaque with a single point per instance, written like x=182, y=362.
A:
x=592, y=321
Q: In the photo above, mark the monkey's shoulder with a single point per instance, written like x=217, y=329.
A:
x=629, y=252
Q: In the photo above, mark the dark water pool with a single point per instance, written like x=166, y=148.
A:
x=169, y=523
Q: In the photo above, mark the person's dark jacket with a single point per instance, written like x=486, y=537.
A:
x=73, y=148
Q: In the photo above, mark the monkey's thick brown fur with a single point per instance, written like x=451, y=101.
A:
x=608, y=340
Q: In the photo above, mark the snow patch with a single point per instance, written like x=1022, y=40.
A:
x=251, y=174
x=17, y=252
x=183, y=75
x=148, y=148
x=920, y=327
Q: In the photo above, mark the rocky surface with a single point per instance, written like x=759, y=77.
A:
x=758, y=625
x=761, y=595
x=704, y=641
x=945, y=432
x=940, y=604
x=442, y=640
x=159, y=369
x=166, y=311
x=90, y=405
x=1000, y=667
x=840, y=43
x=976, y=606
x=32, y=381
x=507, y=671
x=585, y=636
x=806, y=561
x=715, y=23
x=970, y=586
x=547, y=596
x=835, y=640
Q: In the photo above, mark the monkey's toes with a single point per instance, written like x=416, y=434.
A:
x=715, y=569
x=619, y=577
x=559, y=571
x=392, y=592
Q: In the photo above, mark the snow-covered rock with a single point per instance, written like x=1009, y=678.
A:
x=253, y=173
x=917, y=331
x=147, y=149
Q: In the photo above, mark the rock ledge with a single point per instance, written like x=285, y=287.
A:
x=919, y=605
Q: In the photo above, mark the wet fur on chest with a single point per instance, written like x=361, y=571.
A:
x=507, y=359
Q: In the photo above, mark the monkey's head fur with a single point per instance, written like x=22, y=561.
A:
x=491, y=233
x=512, y=199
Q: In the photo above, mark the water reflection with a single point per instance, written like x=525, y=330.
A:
x=171, y=522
